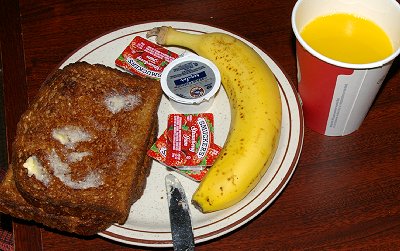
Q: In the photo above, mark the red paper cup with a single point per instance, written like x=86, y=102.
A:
x=336, y=96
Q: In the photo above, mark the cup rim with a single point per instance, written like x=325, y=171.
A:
x=372, y=65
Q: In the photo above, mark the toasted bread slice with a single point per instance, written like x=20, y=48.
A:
x=12, y=203
x=81, y=145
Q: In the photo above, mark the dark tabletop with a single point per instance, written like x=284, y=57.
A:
x=345, y=192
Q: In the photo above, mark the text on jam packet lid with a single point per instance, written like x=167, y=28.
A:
x=187, y=145
x=145, y=58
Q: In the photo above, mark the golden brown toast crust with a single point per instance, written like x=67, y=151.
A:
x=12, y=203
x=89, y=131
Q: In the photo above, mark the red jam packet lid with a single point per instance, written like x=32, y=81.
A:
x=187, y=145
x=145, y=58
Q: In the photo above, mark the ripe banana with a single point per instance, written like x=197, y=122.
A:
x=256, y=116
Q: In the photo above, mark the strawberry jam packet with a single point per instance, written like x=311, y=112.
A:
x=187, y=145
x=145, y=58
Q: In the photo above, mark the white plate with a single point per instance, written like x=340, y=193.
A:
x=148, y=222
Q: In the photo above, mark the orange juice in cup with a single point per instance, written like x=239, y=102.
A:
x=347, y=38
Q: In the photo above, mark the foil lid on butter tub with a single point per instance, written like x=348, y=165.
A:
x=191, y=82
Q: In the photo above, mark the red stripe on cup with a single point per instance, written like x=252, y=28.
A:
x=314, y=73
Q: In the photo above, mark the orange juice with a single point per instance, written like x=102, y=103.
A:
x=347, y=38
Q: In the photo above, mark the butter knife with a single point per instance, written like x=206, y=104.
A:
x=179, y=215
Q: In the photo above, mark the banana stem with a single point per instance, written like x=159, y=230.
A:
x=169, y=36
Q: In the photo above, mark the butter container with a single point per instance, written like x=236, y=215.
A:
x=191, y=82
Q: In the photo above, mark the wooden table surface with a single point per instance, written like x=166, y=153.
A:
x=345, y=192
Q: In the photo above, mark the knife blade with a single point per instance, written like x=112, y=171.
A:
x=179, y=215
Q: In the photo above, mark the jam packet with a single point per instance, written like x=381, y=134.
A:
x=187, y=145
x=145, y=58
